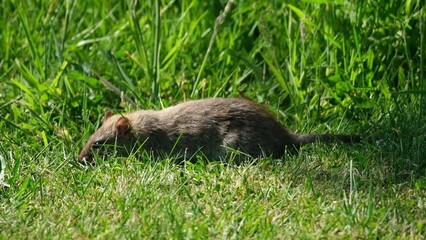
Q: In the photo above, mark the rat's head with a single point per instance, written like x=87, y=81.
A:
x=115, y=134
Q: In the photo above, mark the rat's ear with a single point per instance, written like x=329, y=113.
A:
x=107, y=115
x=122, y=125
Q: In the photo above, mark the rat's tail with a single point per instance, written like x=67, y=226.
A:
x=327, y=138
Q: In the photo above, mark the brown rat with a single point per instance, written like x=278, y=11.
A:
x=209, y=126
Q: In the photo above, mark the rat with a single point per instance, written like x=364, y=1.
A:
x=213, y=127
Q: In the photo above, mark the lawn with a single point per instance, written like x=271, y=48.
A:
x=319, y=66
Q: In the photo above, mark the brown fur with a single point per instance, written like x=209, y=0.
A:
x=209, y=126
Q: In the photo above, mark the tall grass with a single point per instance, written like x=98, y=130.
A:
x=319, y=66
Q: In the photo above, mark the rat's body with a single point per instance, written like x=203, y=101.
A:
x=209, y=126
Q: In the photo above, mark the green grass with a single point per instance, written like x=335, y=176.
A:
x=319, y=66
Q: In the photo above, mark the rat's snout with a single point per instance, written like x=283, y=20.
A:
x=85, y=156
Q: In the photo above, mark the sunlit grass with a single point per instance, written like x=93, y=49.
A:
x=319, y=66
